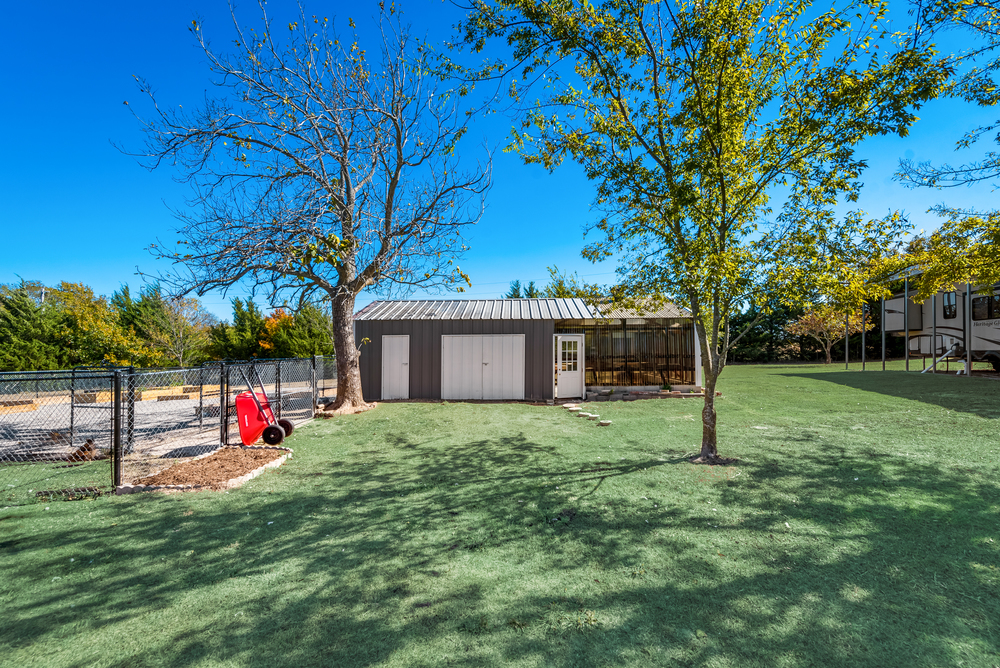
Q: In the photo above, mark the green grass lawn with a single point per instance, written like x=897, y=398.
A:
x=860, y=528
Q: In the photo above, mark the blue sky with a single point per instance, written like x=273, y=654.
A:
x=78, y=210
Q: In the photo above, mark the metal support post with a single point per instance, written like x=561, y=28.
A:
x=934, y=345
x=116, y=429
x=130, y=410
x=864, y=323
x=968, y=319
x=223, y=406
x=882, y=327
x=315, y=394
x=201, y=398
x=906, y=318
x=847, y=347
x=277, y=385
x=72, y=405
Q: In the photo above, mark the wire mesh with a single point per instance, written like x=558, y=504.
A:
x=58, y=430
x=55, y=435
x=326, y=378
x=168, y=416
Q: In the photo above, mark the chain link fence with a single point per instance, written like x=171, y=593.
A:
x=69, y=434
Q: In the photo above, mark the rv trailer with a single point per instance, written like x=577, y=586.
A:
x=942, y=329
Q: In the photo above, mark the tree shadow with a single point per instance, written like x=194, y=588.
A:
x=819, y=564
x=947, y=391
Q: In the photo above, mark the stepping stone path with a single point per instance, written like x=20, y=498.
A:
x=575, y=408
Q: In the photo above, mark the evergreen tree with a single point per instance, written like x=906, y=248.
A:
x=29, y=332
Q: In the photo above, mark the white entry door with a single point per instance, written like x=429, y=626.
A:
x=482, y=366
x=395, y=367
x=569, y=366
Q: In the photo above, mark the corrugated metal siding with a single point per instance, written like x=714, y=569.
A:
x=478, y=309
x=425, y=352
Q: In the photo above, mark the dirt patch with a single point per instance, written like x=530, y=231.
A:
x=220, y=467
x=349, y=409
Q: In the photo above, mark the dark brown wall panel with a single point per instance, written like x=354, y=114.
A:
x=425, y=352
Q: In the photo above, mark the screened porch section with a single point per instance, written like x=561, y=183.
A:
x=635, y=351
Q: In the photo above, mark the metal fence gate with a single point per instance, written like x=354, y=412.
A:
x=67, y=434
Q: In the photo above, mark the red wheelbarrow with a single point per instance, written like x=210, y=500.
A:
x=255, y=417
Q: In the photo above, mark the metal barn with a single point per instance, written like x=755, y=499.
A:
x=518, y=349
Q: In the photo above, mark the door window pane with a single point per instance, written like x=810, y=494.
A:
x=569, y=353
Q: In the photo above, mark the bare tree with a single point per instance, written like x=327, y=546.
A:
x=181, y=329
x=319, y=172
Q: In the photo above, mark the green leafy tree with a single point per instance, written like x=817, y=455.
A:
x=241, y=339
x=765, y=337
x=566, y=285
x=143, y=316
x=181, y=330
x=693, y=119
x=965, y=246
x=515, y=290
x=30, y=330
x=827, y=325
x=93, y=334
x=311, y=334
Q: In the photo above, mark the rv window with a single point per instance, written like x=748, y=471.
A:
x=948, y=300
x=995, y=311
x=981, y=308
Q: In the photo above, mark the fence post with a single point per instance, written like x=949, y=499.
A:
x=72, y=405
x=223, y=406
x=130, y=410
x=277, y=384
x=116, y=429
x=201, y=398
x=315, y=392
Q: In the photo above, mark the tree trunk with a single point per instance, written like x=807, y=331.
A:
x=709, y=420
x=829, y=358
x=349, y=396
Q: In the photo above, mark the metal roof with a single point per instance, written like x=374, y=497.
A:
x=664, y=310
x=477, y=309
x=505, y=309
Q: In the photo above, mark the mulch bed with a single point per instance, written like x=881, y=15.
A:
x=221, y=467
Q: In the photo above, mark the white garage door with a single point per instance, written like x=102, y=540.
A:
x=482, y=366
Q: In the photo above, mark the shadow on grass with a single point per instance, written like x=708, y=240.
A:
x=822, y=565
x=947, y=391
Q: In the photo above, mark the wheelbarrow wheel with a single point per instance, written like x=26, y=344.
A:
x=287, y=426
x=273, y=435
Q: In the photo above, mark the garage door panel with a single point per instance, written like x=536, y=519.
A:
x=482, y=366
